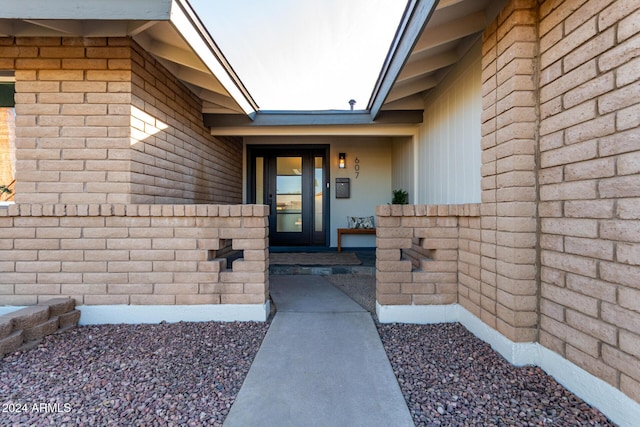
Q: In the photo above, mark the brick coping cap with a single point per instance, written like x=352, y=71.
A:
x=467, y=209
x=105, y=210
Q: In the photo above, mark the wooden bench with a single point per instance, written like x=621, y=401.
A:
x=342, y=231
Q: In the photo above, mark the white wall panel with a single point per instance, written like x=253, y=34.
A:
x=449, y=152
x=402, y=159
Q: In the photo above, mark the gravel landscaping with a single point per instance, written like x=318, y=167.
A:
x=451, y=378
x=190, y=373
x=359, y=287
x=167, y=374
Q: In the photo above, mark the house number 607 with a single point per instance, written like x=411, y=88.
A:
x=357, y=167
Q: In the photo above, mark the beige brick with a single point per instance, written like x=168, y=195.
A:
x=129, y=289
x=593, y=327
x=568, y=298
x=242, y=299
x=630, y=387
x=152, y=299
x=106, y=299
x=36, y=289
x=628, y=253
x=621, y=361
x=630, y=343
x=241, y=277
x=620, y=274
x=571, y=336
x=84, y=289
x=590, y=208
x=625, y=186
x=417, y=288
x=197, y=299
x=393, y=266
x=591, y=287
x=595, y=248
x=592, y=364
x=625, y=231
x=616, y=315
x=629, y=298
x=393, y=299
x=442, y=299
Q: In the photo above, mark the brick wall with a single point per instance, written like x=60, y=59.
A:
x=509, y=288
x=72, y=119
x=417, y=252
x=99, y=121
x=590, y=186
x=133, y=254
x=174, y=157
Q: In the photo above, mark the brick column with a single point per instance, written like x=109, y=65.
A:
x=509, y=190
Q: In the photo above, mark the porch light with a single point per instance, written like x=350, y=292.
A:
x=342, y=160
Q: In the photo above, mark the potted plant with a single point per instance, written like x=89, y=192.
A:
x=400, y=197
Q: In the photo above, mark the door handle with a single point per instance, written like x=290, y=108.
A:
x=270, y=203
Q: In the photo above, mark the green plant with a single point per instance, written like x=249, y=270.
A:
x=400, y=197
x=5, y=190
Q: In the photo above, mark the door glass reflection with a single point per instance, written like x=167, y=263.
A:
x=289, y=194
x=318, y=181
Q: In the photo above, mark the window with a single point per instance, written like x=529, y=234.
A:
x=7, y=136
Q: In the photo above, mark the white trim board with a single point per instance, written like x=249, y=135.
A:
x=620, y=408
x=6, y=309
x=134, y=314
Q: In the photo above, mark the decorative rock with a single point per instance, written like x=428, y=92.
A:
x=169, y=374
x=6, y=326
x=69, y=319
x=11, y=343
x=41, y=330
x=58, y=306
x=29, y=317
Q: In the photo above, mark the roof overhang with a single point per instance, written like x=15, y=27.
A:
x=413, y=22
x=168, y=29
x=315, y=123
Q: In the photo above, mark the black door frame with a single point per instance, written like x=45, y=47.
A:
x=281, y=150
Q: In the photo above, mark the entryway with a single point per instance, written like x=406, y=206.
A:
x=293, y=182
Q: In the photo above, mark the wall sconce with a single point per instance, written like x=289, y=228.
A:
x=342, y=160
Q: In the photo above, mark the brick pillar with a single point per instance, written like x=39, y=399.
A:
x=509, y=190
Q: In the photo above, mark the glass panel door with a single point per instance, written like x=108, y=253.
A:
x=292, y=181
x=289, y=195
x=318, y=191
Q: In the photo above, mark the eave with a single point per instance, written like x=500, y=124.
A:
x=168, y=29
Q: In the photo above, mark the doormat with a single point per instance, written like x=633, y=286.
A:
x=315, y=258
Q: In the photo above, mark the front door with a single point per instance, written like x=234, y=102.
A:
x=293, y=183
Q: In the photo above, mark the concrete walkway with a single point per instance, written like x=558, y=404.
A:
x=321, y=364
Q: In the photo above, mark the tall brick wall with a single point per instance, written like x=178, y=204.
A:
x=99, y=121
x=174, y=157
x=509, y=125
x=133, y=254
x=554, y=254
x=590, y=186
